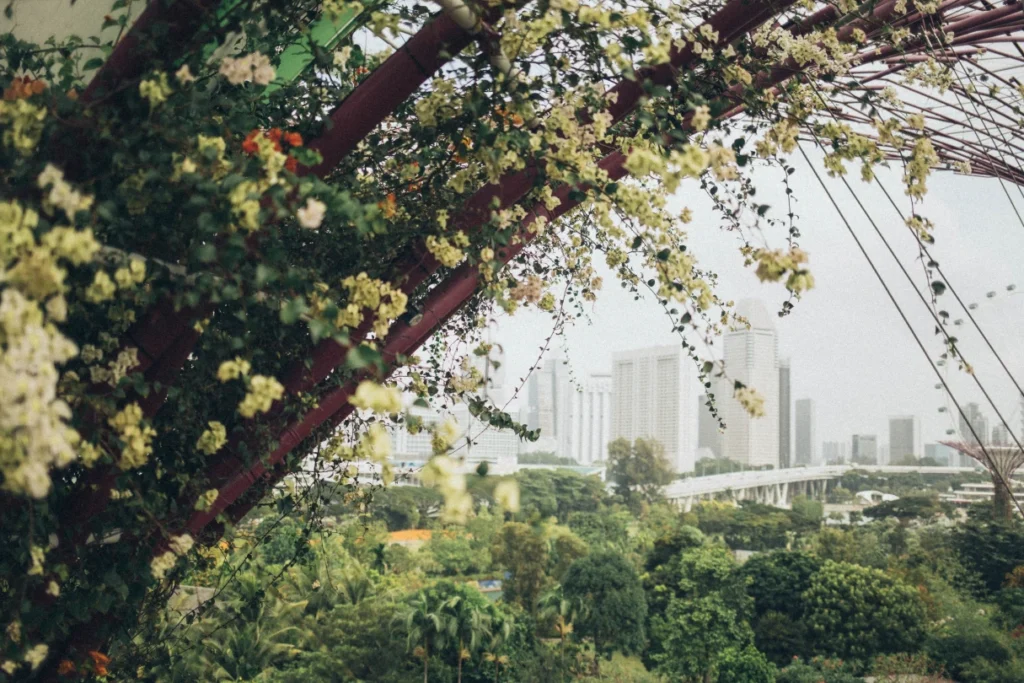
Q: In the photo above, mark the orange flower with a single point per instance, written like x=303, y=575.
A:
x=291, y=163
x=66, y=668
x=293, y=139
x=23, y=87
x=275, y=134
x=389, y=206
x=99, y=662
x=224, y=545
x=249, y=145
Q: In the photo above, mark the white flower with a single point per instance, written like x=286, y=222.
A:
x=37, y=655
x=181, y=544
x=184, y=75
x=342, y=55
x=312, y=214
x=253, y=67
x=50, y=176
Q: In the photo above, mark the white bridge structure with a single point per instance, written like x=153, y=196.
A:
x=778, y=487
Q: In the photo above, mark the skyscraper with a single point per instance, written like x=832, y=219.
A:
x=543, y=398
x=904, y=438
x=864, y=449
x=751, y=357
x=574, y=418
x=784, y=417
x=941, y=454
x=805, y=440
x=973, y=430
x=833, y=452
x=652, y=397
x=585, y=422
x=1001, y=436
x=708, y=434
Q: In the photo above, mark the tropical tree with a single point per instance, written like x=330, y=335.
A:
x=616, y=609
x=638, y=470
x=469, y=623
x=427, y=628
x=561, y=612
x=523, y=552
x=857, y=612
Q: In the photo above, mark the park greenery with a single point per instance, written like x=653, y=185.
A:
x=234, y=251
x=593, y=586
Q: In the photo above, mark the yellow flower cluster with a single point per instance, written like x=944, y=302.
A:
x=443, y=435
x=136, y=436
x=446, y=253
x=206, y=500
x=22, y=123
x=61, y=194
x=155, y=90
x=34, y=434
x=782, y=135
x=919, y=166
x=442, y=473
x=378, y=398
x=263, y=391
x=233, y=369
x=163, y=563
x=116, y=369
x=773, y=264
x=751, y=401
x=213, y=438
x=375, y=295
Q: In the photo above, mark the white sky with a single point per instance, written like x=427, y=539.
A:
x=849, y=349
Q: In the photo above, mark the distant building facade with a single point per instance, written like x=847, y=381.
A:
x=904, y=438
x=864, y=449
x=751, y=357
x=583, y=431
x=1001, y=436
x=941, y=454
x=785, y=418
x=709, y=436
x=973, y=430
x=652, y=397
x=833, y=452
x=478, y=441
x=805, y=438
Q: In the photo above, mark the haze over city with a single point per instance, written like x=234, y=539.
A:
x=849, y=350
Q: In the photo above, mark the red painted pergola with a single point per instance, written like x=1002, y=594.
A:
x=165, y=336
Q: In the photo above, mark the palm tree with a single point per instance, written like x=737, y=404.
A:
x=563, y=612
x=498, y=661
x=426, y=626
x=501, y=630
x=468, y=625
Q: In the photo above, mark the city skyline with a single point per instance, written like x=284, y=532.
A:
x=850, y=350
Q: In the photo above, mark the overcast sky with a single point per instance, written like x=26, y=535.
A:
x=849, y=349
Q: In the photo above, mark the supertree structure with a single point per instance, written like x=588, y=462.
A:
x=1002, y=462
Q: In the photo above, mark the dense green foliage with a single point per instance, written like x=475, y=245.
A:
x=596, y=590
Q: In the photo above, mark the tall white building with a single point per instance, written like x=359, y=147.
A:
x=833, y=452
x=864, y=449
x=574, y=417
x=1001, y=436
x=751, y=357
x=805, y=439
x=708, y=434
x=544, y=398
x=478, y=442
x=785, y=419
x=652, y=397
x=904, y=438
x=585, y=420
